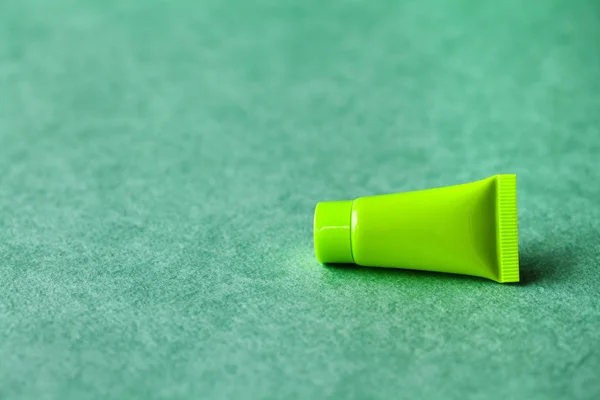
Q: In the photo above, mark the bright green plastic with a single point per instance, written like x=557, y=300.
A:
x=468, y=229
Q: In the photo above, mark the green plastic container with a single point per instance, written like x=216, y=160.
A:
x=468, y=229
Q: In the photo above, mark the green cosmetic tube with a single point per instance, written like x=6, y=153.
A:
x=468, y=229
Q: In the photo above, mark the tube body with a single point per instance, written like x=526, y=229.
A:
x=466, y=229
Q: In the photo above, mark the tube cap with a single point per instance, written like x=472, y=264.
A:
x=332, y=232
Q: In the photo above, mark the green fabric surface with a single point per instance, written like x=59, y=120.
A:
x=160, y=163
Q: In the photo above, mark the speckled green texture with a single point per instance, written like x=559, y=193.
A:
x=160, y=162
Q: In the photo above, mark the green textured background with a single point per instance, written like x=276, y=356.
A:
x=159, y=166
